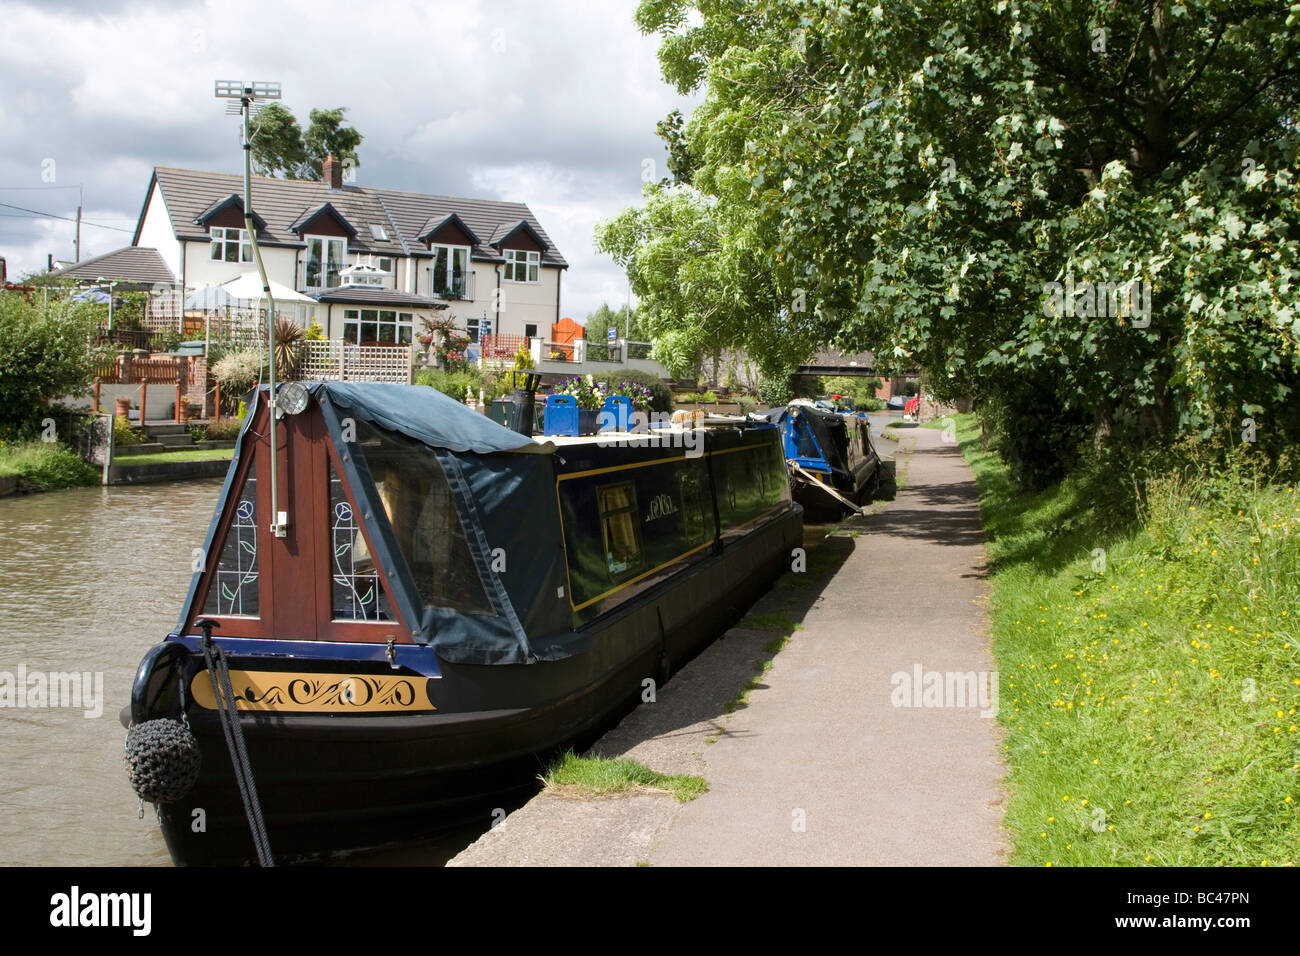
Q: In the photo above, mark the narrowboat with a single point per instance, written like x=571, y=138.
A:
x=426, y=607
x=832, y=463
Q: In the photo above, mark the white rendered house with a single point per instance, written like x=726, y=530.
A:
x=375, y=261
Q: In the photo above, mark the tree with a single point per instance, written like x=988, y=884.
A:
x=856, y=388
x=920, y=173
x=327, y=136
x=281, y=149
x=602, y=319
x=680, y=161
x=278, y=148
x=704, y=281
x=45, y=354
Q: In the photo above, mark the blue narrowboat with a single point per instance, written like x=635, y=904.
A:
x=832, y=463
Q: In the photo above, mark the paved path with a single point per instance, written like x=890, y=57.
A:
x=823, y=744
x=821, y=767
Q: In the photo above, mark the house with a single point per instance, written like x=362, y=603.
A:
x=375, y=261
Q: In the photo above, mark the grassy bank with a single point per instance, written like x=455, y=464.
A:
x=196, y=454
x=1150, y=670
x=45, y=466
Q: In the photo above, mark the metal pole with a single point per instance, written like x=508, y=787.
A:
x=278, y=527
x=108, y=450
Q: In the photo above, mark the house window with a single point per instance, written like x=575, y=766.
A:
x=230, y=245
x=530, y=330
x=621, y=526
x=522, y=265
x=478, y=327
x=325, y=259
x=385, y=264
x=366, y=326
x=450, y=271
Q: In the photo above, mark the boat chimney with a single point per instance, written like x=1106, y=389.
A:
x=525, y=396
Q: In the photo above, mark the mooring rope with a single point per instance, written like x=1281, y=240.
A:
x=228, y=712
x=811, y=479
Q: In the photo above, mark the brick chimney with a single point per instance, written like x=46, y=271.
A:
x=332, y=173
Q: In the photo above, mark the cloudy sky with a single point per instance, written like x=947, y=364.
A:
x=550, y=103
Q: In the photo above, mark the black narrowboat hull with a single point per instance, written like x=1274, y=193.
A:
x=334, y=782
x=820, y=504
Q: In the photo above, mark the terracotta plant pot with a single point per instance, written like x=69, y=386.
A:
x=123, y=407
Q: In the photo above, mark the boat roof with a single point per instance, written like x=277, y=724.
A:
x=654, y=436
x=425, y=414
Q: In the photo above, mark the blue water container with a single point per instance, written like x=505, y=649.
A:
x=617, y=414
x=561, y=417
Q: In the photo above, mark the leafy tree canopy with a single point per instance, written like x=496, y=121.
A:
x=280, y=148
x=912, y=177
x=45, y=354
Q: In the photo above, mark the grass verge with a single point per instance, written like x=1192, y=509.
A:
x=601, y=776
x=784, y=627
x=197, y=454
x=46, y=465
x=1149, y=670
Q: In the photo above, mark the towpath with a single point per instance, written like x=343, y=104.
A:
x=835, y=758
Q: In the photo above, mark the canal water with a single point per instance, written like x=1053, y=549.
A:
x=90, y=578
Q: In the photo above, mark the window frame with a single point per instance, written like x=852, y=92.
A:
x=400, y=320
x=220, y=239
x=324, y=262
x=477, y=326
x=633, y=509
x=527, y=260
x=447, y=288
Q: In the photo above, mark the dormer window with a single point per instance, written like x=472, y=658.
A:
x=230, y=245
x=522, y=265
x=450, y=271
x=324, y=262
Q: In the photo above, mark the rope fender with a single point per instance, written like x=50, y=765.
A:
x=162, y=760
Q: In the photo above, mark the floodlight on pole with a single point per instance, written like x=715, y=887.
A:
x=248, y=93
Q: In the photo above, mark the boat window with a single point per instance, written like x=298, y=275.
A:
x=692, y=508
x=621, y=526
x=424, y=520
x=233, y=590
x=806, y=445
x=356, y=593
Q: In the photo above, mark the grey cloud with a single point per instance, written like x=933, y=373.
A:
x=575, y=91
